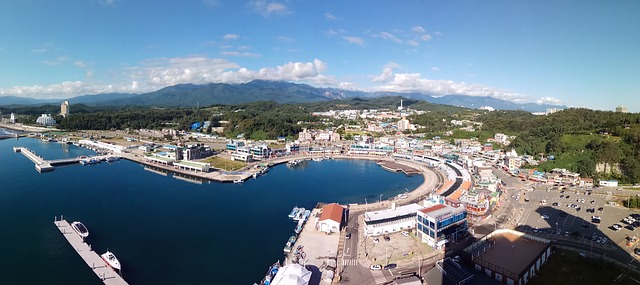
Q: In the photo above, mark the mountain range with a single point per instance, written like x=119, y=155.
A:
x=190, y=95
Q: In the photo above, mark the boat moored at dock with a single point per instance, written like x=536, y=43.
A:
x=273, y=270
x=299, y=214
x=290, y=243
x=111, y=260
x=294, y=212
x=80, y=229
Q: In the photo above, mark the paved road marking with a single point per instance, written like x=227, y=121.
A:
x=350, y=262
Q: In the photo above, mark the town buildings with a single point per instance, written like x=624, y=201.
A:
x=330, y=220
x=45, y=120
x=441, y=223
x=64, y=109
x=509, y=256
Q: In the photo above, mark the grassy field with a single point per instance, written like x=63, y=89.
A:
x=225, y=164
x=570, y=268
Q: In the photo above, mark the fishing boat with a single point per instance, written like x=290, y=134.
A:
x=299, y=227
x=273, y=270
x=290, y=243
x=80, y=229
x=238, y=181
x=298, y=215
x=306, y=215
x=294, y=211
x=111, y=260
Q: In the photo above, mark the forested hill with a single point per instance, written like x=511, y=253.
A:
x=580, y=140
x=190, y=95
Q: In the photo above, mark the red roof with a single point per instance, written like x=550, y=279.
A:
x=332, y=212
x=432, y=208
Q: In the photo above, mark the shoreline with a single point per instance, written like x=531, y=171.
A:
x=28, y=129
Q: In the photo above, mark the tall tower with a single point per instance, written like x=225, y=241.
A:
x=401, y=107
x=64, y=109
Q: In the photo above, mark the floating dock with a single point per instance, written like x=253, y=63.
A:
x=43, y=165
x=99, y=267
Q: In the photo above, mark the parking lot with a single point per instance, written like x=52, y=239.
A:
x=567, y=214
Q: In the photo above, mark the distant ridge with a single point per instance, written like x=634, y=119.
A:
x=190, y=95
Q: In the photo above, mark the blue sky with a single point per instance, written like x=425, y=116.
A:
x=578, y=53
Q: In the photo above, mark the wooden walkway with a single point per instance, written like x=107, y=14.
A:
x=99, y=267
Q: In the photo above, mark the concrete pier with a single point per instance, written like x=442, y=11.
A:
x=99, y=267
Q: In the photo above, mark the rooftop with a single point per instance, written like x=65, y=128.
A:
x=509, y=245
x=332, y=212
x=441, y=209
x=390, y=213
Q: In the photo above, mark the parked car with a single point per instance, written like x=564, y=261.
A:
x=376, y=267
x=348, y=236
x=387, y=238
x=636, y=250
x=390, y=266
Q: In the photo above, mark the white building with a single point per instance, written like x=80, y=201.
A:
x=46, y=120
x=13, y=118
x=608, y=183
x=64, y=109
x=331, y=218
x=391, y=220
x=403, y=124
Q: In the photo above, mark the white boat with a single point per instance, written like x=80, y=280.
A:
x=298, y=228
x=80, y=229
x=299, y=214
x=238, y=181
x=294, y=212
x=111, y=260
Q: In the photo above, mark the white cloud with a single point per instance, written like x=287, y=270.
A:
x=243, y=54
x=330, y=16
x=549, y=100
x=39, y=50
x=412, y=43
x=387, y=36
x=161, y=72
x=56, y=61
x=354, y=40
x=435, y=69
x=332, y=32
x=426, y=37
x=418, y=29
x=230, y=36
x=268, y=8
x=387, y=72
x=80, y=63
x=285, y=39
x=414, y=82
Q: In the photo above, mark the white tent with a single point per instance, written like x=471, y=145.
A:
x=292, y=274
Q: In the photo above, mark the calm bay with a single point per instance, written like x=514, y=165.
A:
x=163, y=230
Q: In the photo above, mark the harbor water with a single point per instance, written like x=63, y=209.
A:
x=162, y=229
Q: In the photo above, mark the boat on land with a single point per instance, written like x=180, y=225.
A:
x=290, y=243
x=80, y=229
x=111, y=260
x=298, y=215
x=294, y=211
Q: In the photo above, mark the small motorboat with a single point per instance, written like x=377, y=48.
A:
x=111, y=260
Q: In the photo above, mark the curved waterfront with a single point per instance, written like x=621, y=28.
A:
x=164, y=230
